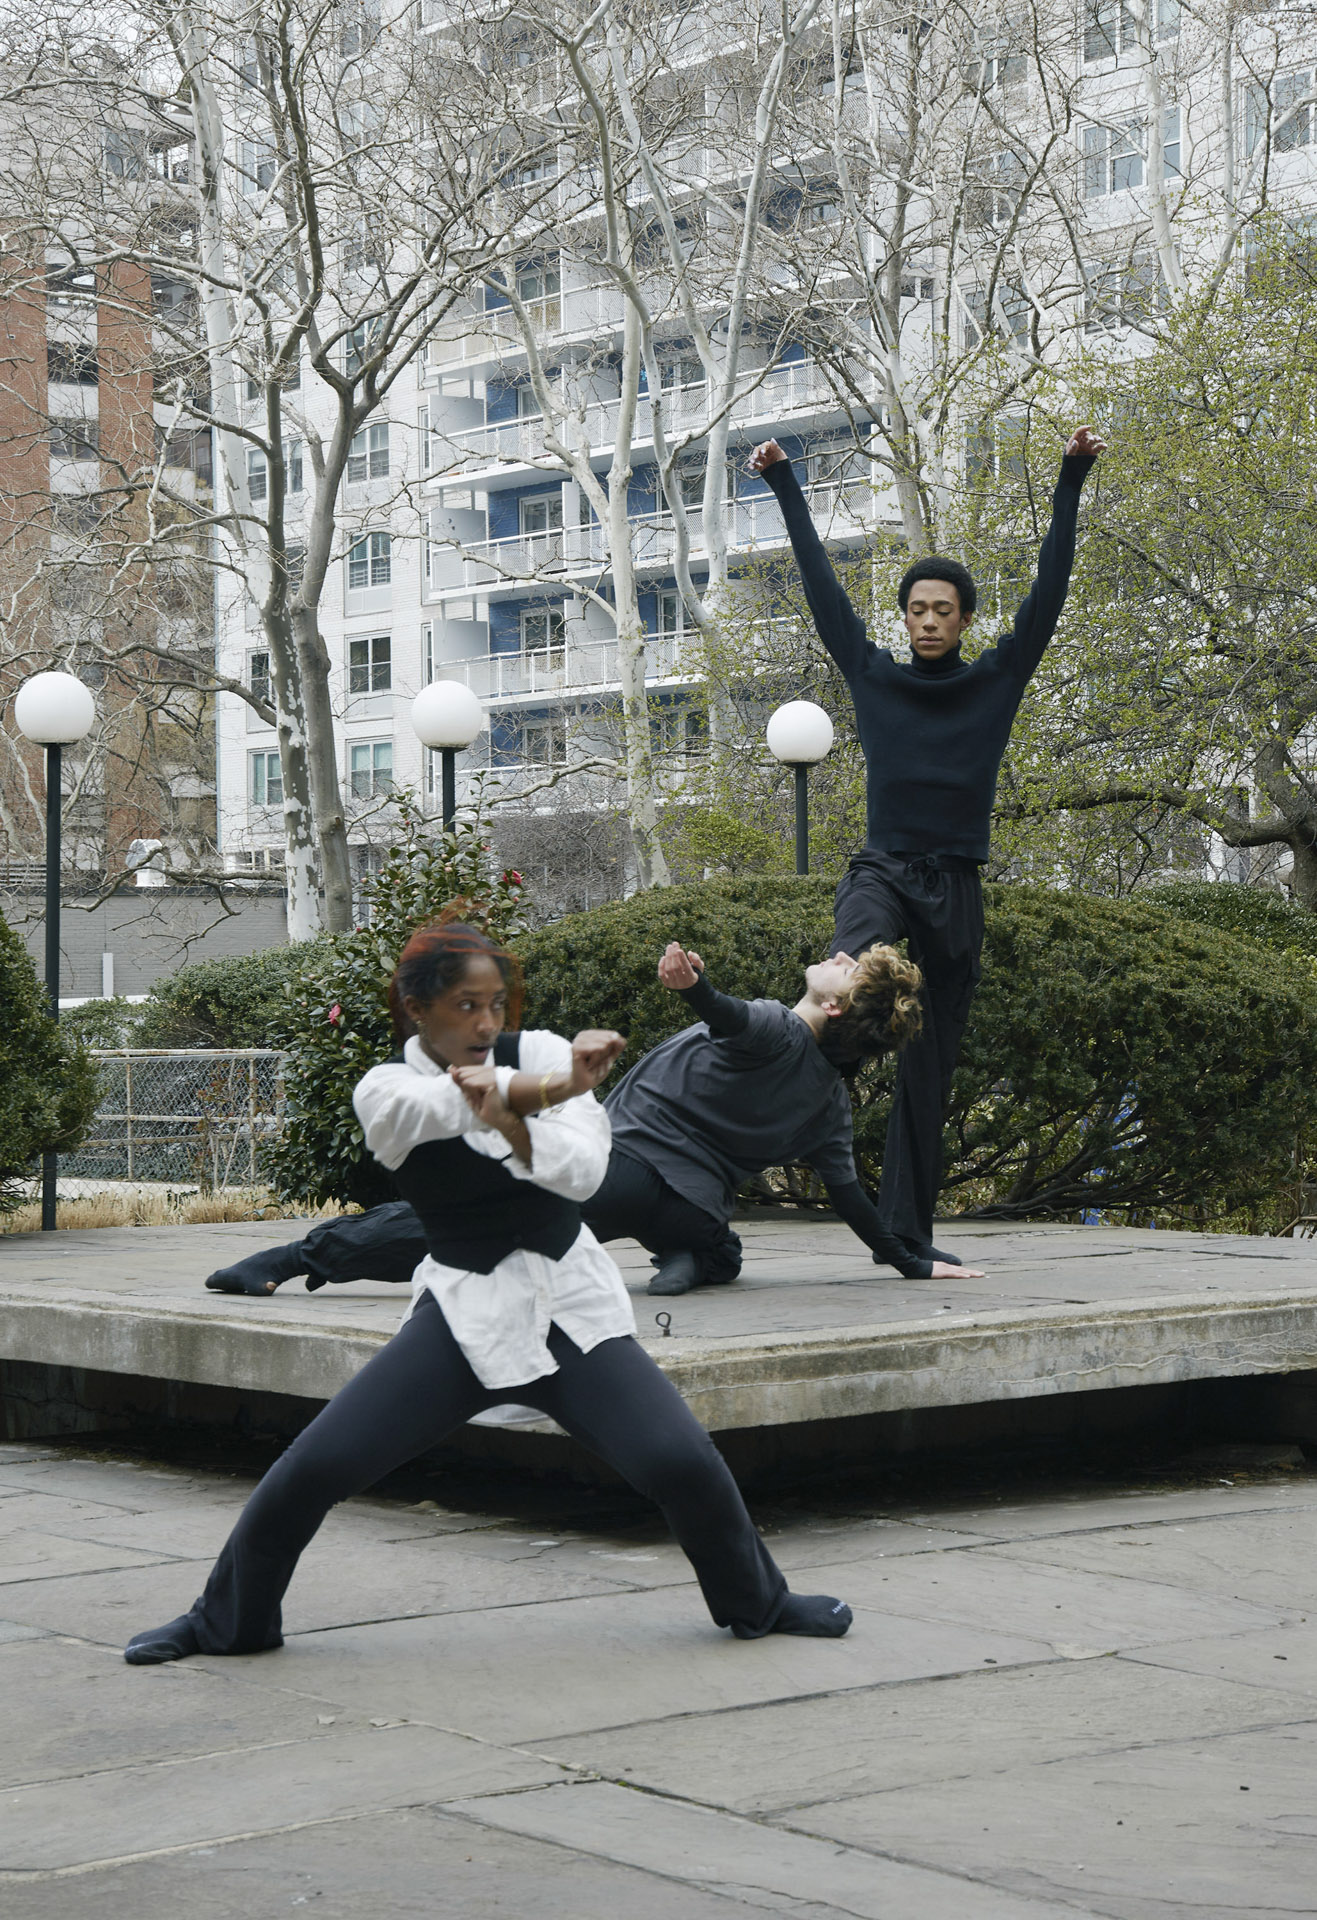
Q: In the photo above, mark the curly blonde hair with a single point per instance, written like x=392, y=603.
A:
x=881, y=1008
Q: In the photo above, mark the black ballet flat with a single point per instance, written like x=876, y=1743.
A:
x=159, y=1644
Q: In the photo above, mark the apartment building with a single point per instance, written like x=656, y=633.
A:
x=467, y=553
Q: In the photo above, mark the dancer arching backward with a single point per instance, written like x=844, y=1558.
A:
x=515, y=1296
x=934, y=730
x=757, y=1084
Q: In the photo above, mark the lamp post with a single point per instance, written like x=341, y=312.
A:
x=799, y=734
x=53, y=710
x=447, y=716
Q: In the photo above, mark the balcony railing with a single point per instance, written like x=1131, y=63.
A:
x=551, y=672
x=783, y=391
x=842, y=511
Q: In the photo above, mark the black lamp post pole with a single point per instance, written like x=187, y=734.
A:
x=449, y=787
x=802, y=817
x=54, y=783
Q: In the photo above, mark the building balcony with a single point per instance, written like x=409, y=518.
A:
x=550, y=673
x=507, y=566
x=787, y=390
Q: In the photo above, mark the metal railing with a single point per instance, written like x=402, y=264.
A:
x=195, y=1117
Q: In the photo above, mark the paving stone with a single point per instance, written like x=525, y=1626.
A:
x=808, y=1752
x=751, y=1864
x=191, y=1802
x=1074, y=1613
x=1046, y=1515
x=1263, y=1558
x=74, y=1709
x=411, y=1865
x=1217, y=1828
x=531, y=1674
x=1283, y=1657
x=26, y=1555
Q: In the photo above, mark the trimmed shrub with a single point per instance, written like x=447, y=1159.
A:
x=48, y=1083
x=334, y=1018
x=1115, y=1057
x=103, y=1023
x=1252, y=913
x=240, y=1001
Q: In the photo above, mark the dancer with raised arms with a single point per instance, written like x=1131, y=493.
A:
x=515, y=1298
x=934, y=729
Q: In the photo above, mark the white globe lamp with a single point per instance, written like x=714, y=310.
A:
x=53, y=710
x=447, y=716
x=799, y=734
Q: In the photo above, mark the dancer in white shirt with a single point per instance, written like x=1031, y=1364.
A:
x=515, y=1294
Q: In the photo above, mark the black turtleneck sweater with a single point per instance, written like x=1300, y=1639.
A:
x=934, y=731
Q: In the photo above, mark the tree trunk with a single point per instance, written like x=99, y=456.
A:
x=329, y=822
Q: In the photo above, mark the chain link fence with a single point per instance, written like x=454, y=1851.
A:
x=195, y=1118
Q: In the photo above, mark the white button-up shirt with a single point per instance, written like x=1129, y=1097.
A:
x=501, y=1320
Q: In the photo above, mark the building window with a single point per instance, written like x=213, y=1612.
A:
x=294, y=563
x=370, y=562
x=69, y=288
x=265, y=780
x=539, y=287
x=1110, y=28
x=258, y=676
x=1287, y=111
x=71, y=365
x=370, y=769
x=670, y=614
x=680, y=370
x=676, y=727
x=542, y=513
x=74, y=439
x=360, y=29
x=125, y=153
x=257, y=166
x=543, y=631
x=293, y=466
x=368, y=455
x=544, y=742
x=257, y=473
x=1113, y=156
x=994, y=203
x=1126, y=293
x=362, y=342
x=370, y=668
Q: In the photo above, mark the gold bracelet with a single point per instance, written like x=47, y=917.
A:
x=545, y=1101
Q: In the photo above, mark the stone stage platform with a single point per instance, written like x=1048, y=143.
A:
x=101, y=1328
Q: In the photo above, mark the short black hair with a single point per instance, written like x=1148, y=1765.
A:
x=936, y=567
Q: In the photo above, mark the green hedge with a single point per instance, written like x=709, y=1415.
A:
x=48, y=1085
x=1115, y=1057
x=1252, y=913
x=240, y=1001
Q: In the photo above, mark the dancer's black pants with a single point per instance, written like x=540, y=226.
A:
x=419, y=1388
x=935, y=902
x=634, y=1202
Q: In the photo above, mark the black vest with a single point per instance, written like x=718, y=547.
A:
x=474, y=1213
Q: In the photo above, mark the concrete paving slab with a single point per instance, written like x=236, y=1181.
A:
x=1076, y=1614
x=26, y=1555
x=811, y=1332
x=537, y=1673
x=1212, y=1828
x=716, y=1852
x=825, y=1543
x=411, y=1865
x=1266, y=1559
x=1046, y=1515
x=1284, y=1658
x=73, y=1709
x=106, y=1608
x=213, y=1797
x=771, y=1759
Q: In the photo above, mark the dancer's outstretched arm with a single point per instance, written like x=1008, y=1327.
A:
x=852, y=1204
x=722, y=1013
x=840, y=627
x=1035, y=623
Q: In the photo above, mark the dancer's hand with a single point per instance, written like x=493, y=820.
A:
x=593, y=1054
x=766, y=454
x=679, y=968
x=479, y=1087
x=1085, y=440
x=947, y=1270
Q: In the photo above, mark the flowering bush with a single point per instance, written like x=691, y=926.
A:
x=48, y=1083
x=334, y=1017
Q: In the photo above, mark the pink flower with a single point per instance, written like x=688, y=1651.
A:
x=335, y=1014
x=515, y=878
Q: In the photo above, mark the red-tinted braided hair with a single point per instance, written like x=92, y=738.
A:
x=436, y=958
